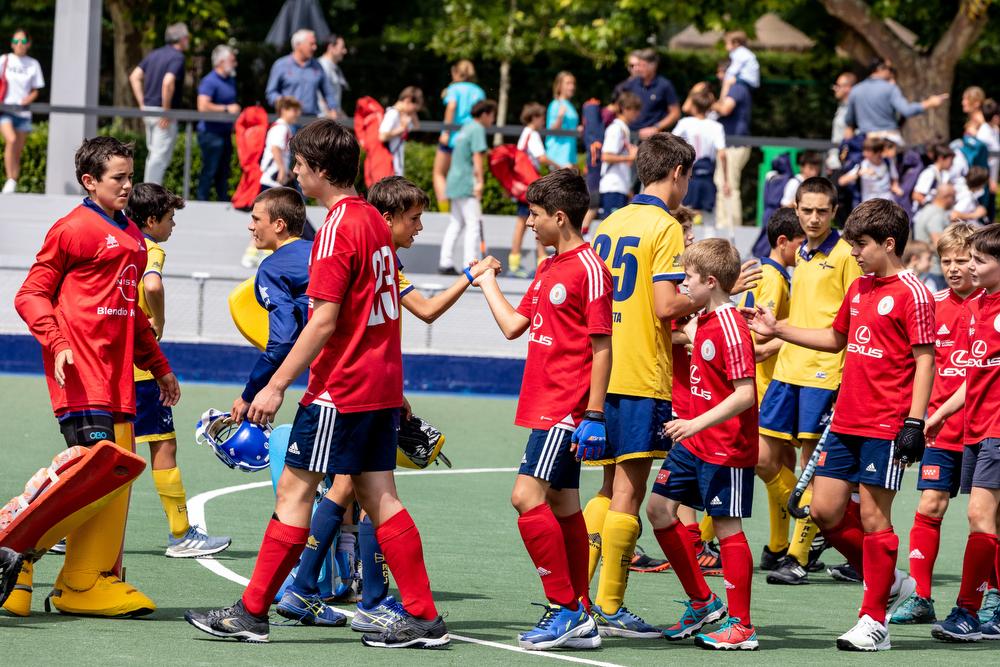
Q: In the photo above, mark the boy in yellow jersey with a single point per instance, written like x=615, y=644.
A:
x=152, y=207
x=642, y=245
x=805, y=381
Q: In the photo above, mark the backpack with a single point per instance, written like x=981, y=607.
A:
x=251, y=135
x=368, y=114
x=593, y=133
x=850, y=157
x=975, y=151
x=910, y=165
x=513, y=170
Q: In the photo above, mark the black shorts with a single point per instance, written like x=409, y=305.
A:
x=328, y=441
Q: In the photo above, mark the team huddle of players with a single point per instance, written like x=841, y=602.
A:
x=636, y=352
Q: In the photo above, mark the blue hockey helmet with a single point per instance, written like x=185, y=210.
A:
x=242, y=446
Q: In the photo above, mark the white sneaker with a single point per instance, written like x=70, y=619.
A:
x=867, y=635
x=902, y=587
x=10, y=186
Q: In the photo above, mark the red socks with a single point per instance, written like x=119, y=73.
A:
x=279, y=552
x=880, y=551
x=925, y=539
x=737, y=573
x=694, y=533
x=847, y=537
x=980, y=558
x=577, y=543
x=543, y=537
x=675, y=541
x=404, y=554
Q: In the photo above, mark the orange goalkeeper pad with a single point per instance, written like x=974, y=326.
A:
x=79, y=483
x=248, y=316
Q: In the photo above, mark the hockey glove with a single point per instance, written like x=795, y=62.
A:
x=590, y=436
x=909, y=442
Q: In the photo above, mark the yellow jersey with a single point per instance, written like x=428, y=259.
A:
x=154, y=264
x=819, y=285
x=641, y=244
x=405, y=286
x=772, y=291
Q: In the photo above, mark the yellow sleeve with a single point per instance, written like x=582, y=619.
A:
x=667, y=251
x=771, y=291
x=155, y=258
x=405, y=286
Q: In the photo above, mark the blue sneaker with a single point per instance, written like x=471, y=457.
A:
x=695, y=617
x=914, y=609
x=379, y=617
x=991, y=628
x=557, y=625
x=588, y=641
x=623, y=623
x=732, y=636
x=194, y=543
x=309, y=610
x=991, y=602
x=960, y=626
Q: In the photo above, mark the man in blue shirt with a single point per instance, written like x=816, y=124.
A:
x=301, y=76
x=157, y=84
x=217, y=93
x=660, y=107
x=734, y=114
x=873, y=104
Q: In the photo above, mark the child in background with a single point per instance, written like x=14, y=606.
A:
x=618, y=154
x=934, y=175
x=399, y=119
x=917, y=258
x=708, y=139
x=969, y=193
x=743, y=64
x=810, y=165
x=877, y=172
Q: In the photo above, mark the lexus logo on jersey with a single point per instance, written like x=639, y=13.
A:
x=979, y=348
x=128, y=283
x=863, y=335
x=694, y=376
x=537, y=322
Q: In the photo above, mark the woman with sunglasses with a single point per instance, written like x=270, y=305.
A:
x=23, y=77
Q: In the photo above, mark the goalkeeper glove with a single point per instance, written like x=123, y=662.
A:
x=909, y=442
x=590, y=436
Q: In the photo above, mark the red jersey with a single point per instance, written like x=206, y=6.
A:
x=723, y=353
x=568, y=301
x=680, y=392
x=352, y=263
x=883, y=319
x=951, y=316
x=82, y=294
x=982, y=365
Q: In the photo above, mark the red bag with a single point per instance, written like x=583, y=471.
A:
x=368, y=114
x=513, y=170
x=251, y=135
x=3, y=80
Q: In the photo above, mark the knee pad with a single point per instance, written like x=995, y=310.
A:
x=87, y=429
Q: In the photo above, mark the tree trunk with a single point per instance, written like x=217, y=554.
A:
x=127, y=39
x=920, y=78
x=503, y=99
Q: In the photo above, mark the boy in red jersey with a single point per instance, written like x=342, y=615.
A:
x=941, y=467
x=711, y=465
x=886, y=322
x=566, y=374
x=981, y=465
x=79, y=301
x=348, y=419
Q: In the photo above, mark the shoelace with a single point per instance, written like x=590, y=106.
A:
x=548, y=617
x=625, y=610
x=216, y=614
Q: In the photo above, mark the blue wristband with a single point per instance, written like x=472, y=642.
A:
x=468, y=274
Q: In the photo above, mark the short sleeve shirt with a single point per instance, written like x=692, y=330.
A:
x=219, y=90
x=530, y=142
x=157, y=64
x=23, y=74
x=616, y=177
x=982, y=408
x=155, y=257
x=657, y=98
x=469, y=140
x=774, y=292
x=705, y=135
x=561, y=150
x=737, y=123
x=465, y=95
x=278, y=136
x=952, y=315
x=391, y=121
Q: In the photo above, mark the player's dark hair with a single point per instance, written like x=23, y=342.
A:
x=531, y=111
x=284, y=204
x=915, y=249
x=940, y=150
x=873, y=144
x=396, y=195
x=483, y=107
x=326, y=145
x=683, y=215
x=818, y=185
x=151, y=200
x=977, y=177
x=660, y=154
x=627, y=100
x=702, y=100
x=811, y=158
x=562, y=190
x=783, y=222
x=714, y=257
x=880, y=219
x=286, y=102
x=987, y=241
x=93, y=155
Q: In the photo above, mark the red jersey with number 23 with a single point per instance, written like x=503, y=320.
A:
x=723, y=353
x=982, y=365
x=951, y=315
x=883, y=319
x=569, y=301
x=353, y=264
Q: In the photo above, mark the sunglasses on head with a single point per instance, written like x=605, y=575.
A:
x=23, y=40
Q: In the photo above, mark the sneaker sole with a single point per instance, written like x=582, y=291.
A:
x=748, y=645
x=906, y=589
x=587, y=643
x=605, y=631
x=839, y=577
x=562, y=640
x=714, y=617
x=941, y=634
x=774, y=581
x=195, y=553
x=242, y=636
x=422, y=642
x=845, y=645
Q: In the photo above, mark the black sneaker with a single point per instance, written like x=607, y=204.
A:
x=10, y=568
x=410, y=632
x=819, y=545
x=769, y=560
x=844, y=573
x=447, y=271
x=788, y=573
x=232, y=623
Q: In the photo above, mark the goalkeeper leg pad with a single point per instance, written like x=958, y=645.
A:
x=18, y=602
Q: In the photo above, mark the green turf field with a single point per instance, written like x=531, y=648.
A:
x=482, y=577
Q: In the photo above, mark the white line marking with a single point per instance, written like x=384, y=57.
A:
x=196, y=514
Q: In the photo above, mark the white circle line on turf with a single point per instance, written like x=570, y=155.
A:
x=196, y=514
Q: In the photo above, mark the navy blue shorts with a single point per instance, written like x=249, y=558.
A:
x=860, y=460
x=547, y=457
x=940, y=470
x=701, y=194
x=635, y=428
x=523, y=211
x=445, y=148
x=611, y=202
x=981, y=465
x=325, y=440
x=717, y=489
x=789, y=411
x=153, y=420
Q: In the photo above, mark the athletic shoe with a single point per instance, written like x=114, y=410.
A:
x=194, y=543
x=410, y=632
x=867, y=635
x=447, y=271
x=710, y=559
x=991, y=602
x=520, y=272
x=769, y=560
x=991, y=628
x=10, y=186
x=695, y=617
x=642, y=562
x=10, y=568
x=309, y=610
x=379, y=617
x=588, y=640
x=844, y=572
x=914, y=610
x=557, y=625
x=819, y=545
x=231, y=623
x=59, y=548
x=960, y=626
x=623, y=623
x=903, y=586
x=788, y=573
x=733, y=635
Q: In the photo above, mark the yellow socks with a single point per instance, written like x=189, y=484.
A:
x=778, y=491
x=174, y=499
x=593, y=515
x=804, y=533
x=514, y=261
x=707, y=529
x=617, y=548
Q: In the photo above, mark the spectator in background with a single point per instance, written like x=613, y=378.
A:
x=217, y=93
x=878, y=176
x=660, y=107
x=562, y=115
x=399, y=119
x=530, y=143
x=930, y=222
x=873, y=105
x=989, y=134
x=299, y=75
x=917, y=258
x=335, y=51
x=618, y=155
x=743, y=63
x=734, y=114
x=841, y=90
x=708, y=139
x=934, y=175
x=810, y=165
x=158, y=85
x=24, y=79
x=972, y=106
x=459, y=98
x=969, y=193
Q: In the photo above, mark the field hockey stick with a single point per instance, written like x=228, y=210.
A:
x=482, y=240
x=807, y=474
